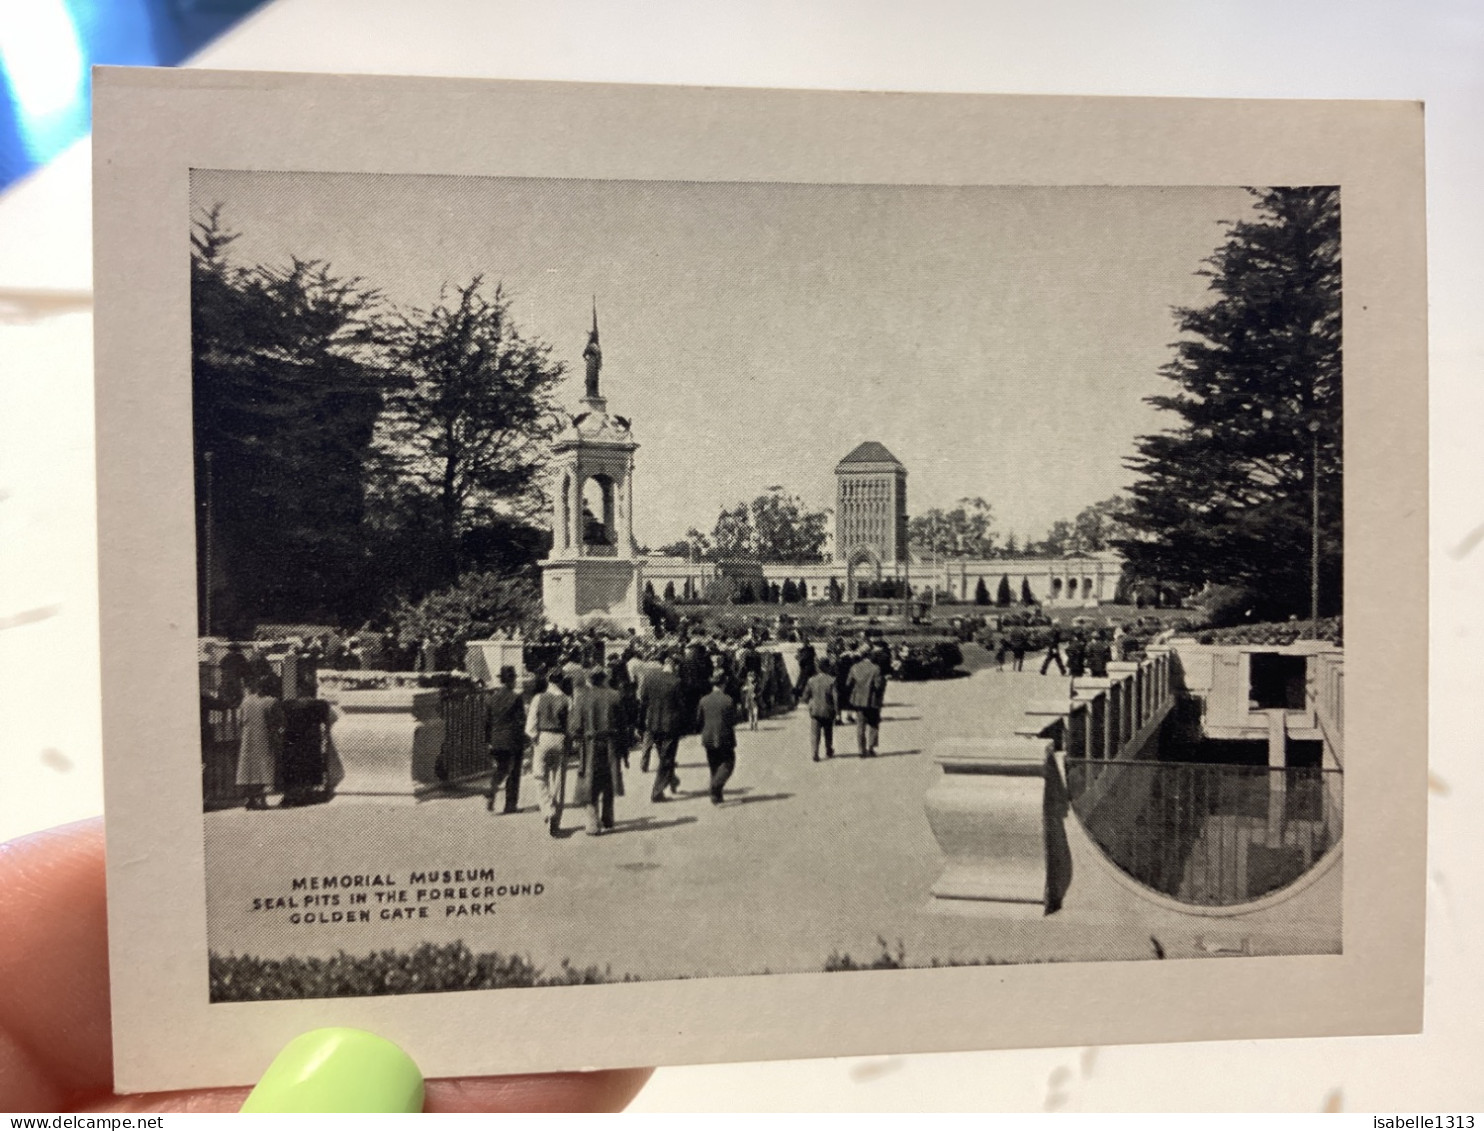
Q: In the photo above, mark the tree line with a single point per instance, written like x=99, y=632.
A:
x=351, y=456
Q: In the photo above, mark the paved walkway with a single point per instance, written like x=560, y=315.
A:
x=803, y=862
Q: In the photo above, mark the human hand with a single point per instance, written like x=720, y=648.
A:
x=56, y=1051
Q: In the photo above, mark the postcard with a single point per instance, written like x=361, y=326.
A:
x=598, y=576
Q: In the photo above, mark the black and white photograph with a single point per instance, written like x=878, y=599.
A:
x=612, y=581
x=677, y=575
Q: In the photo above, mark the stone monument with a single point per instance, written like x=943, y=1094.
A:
x=593, y=573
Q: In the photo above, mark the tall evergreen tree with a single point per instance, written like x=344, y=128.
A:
x=469, y=417
x=1026, y=596
x=981, y=593
x=287, y=384
x=1004, y=598
x=1226, y=495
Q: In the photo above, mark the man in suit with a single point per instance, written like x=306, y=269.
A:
x=595, y=722
x=1053, y=652
x=505, y=738
x=823, y=705
x=695, y=671
x=716, y=716
x=641, y=667
x=662, y=707
x=867, y=687
x=808, y=668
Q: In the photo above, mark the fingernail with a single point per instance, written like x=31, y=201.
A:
x=347, y=1070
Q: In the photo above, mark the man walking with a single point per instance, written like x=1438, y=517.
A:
x=867, y=684
x=505, y=738
x=808, y=668
x=1053, y=652
x=716, y=716
x=596, y=719
x=662, y=706
x=547, y=724
x=640, y=669
x=845, y=661
x=1077, y=655
x=823, y=705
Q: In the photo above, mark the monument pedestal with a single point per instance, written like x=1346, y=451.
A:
x=387, y=742
x=576, y=592
x=987, y=812
x=483, y=659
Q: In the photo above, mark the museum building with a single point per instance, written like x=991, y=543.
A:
x=870, y=545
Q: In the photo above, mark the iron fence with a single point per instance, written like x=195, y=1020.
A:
x=1211, y=834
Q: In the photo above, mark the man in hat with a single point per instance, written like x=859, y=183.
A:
x=716, y=718
x=505, y=739
x=820, y=699
x=662, y=707
x=595, y=722
x=867, y=685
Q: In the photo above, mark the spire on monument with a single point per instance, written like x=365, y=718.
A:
x=593, y=355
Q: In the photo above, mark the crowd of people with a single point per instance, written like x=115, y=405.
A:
x=590, y=708
x=591, y=705
x=1076, y=652
x=595, y=719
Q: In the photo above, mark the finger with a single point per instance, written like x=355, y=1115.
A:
x=558, y=1091
x=204, y=1099
x=55, y=1043
x=555, y=1091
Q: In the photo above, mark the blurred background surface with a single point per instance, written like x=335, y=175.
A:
x=50, y=762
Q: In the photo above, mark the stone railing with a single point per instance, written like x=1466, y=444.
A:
x=1326, y=700
x=1000, y=798
x=1112, y=717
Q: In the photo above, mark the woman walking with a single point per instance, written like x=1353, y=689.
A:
x=262, y=737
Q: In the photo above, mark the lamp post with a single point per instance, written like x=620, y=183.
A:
x=206, y=594
x=1314, y=530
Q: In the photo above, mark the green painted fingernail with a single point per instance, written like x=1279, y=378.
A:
x=339, y=1070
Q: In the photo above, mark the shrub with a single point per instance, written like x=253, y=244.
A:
x=429, y=968
x=1004, y=598
x=981, y=593
x=475, y=608
x=886, y=960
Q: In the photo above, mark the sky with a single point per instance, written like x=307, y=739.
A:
x=998, y=340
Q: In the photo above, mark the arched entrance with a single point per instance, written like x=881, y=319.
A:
x=863, y=565
x=599, y=530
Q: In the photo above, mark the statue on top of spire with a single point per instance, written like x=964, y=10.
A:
x=593, y=355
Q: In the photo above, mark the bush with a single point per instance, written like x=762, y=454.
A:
x=981, y=593
x=1276, y=633
x=477, y=607
x=1225, y=605
x=888, y=959
x=429, y=968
